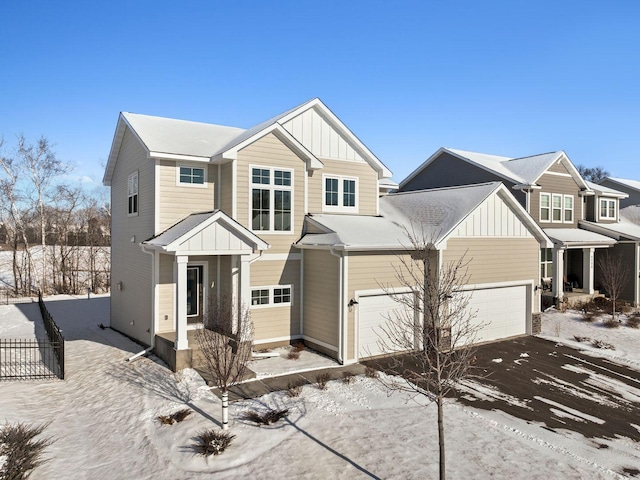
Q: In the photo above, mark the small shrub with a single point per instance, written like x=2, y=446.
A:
x=633, y=322
x=213, y=442
x=347, y=377
x=371, y=372
x=175, y=417
x=322, y=379
x=20, y=452
x=582, y=339
x=602, y=344
x=298, y=346
x=294, y=389
x=293, y=354
x=267, y=418
x=611, y=323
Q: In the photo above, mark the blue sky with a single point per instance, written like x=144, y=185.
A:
x=509, y=78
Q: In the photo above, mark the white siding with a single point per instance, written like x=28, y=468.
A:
x=493, y=218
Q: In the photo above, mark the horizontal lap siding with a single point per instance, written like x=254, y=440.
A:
x=275, y=322
x=321, y=296
x=371, y=272
x=556, y=184
x=367, y=184
x=271, y=152
x=178, y=201
x=165, y=294
x=225, y=184
x=129, y=264
x=495, y=260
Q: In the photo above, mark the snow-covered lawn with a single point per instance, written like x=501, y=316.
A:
x=103, y=417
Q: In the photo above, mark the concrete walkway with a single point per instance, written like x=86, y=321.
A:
x=255, y=388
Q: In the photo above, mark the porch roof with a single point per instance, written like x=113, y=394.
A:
x=206, y=233
x=577, y=238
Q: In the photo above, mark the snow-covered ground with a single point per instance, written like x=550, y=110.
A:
x=103, y=417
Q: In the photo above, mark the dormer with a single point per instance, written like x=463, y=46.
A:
x=604, y=205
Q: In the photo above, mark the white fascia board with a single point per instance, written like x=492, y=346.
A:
x=603, y=230
x=522, y=186
x=562, y=156
x=116, y=143
x=524, y=216
x=424, y=164
x=176, y=156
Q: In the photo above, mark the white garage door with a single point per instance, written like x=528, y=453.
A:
x=373, y=313
x=501, y=311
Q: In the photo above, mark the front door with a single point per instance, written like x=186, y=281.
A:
x=194, y=294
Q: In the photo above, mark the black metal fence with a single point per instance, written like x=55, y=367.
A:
x=8, y=298
x=25, y=359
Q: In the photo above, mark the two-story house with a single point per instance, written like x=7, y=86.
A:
x=553, y=192
x=626, y=185
x=291, y=219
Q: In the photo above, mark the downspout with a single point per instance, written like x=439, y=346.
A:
x=341, y=319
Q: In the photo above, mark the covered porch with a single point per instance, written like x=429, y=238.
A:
x=203, y=258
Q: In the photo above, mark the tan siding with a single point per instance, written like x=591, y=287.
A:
x=166, y=300
x=271, y=152
x=558, y=167
x=367, y=184
x=275, y=322
x=557, y=184
x=370, y=271
x=129, y=264
x=494, y=260
x=226, y=188
x=321, y=296
x=178, y=201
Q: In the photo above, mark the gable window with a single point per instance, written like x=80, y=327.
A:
x=132, y=194
x=546, y=262
x=340, y=194
x=191, y=176
x=568, y=208
x=545, y=207
x=271, y=199
x=607, y=209
x=271, y=296
x=556, y=207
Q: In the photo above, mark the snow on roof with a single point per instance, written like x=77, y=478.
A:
x=175, y=231
x=494, y=163
x=602, y=190
x=567, y=236
x=431, y=214
x=180, y=137
x=635, y=184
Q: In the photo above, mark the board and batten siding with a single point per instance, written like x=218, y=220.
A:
x=177, y=201
x=321, y=297
x=131, y=305
x=557, y=184
x=367, y=184
x=371, y=271
x=496, y=260
x=269, y=151
x=272, y=321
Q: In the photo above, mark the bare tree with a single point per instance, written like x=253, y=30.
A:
x=595, y=174
x=225, y=353
x=614, y=273
x=433, y=326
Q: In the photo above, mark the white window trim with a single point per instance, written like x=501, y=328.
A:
x=546, y=263
x=615, y=209
x=191, y=185
x=271, y=289
x=572, y=210
x=548, y=195
x=137, y=194
x=271, y=187
x=557, y=195
x=340, y=207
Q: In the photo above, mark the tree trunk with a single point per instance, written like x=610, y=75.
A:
x=441, y=436
x=225, y=410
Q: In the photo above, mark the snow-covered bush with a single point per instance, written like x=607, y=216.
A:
x=20, y=452
x=213, y=442
x=322, y=379
x=267, y=417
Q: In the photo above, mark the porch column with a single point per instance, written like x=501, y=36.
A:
x=235, y=291
x=636, y=275
x=558, y=273
x=244, y=292
x=587, y=270
x=181, y=342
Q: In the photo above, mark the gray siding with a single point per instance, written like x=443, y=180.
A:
x=557, y=184
x=634, y=195
x=627, y=251
x=131, y=306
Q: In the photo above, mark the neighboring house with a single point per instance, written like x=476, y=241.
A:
x=290, y=219
x=630, y=187
x=550, y=188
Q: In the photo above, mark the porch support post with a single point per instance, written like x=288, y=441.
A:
x=235, y=290
x=587, y=270
x=181, y=342
x=244, y=292
x=636, y=275
x=558, y=273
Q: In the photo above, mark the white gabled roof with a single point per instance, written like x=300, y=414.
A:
x=628, y=226
x=578, y=237
x=430, y=214
x=605, y=191
x=518, y=170
x=634, y=184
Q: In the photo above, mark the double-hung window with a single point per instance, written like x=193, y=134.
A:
x=271, y=199
x=271, y=296
x=556, y=207
x=546, y=262
x=194, y=176
x=340, y=194
x=607, y=209
x=132, y=194
x=568, y=208
x=545, y=207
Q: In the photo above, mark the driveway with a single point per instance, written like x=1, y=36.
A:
x=557, y=386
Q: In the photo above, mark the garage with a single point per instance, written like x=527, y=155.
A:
x=374, y=312
x=501, y=311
